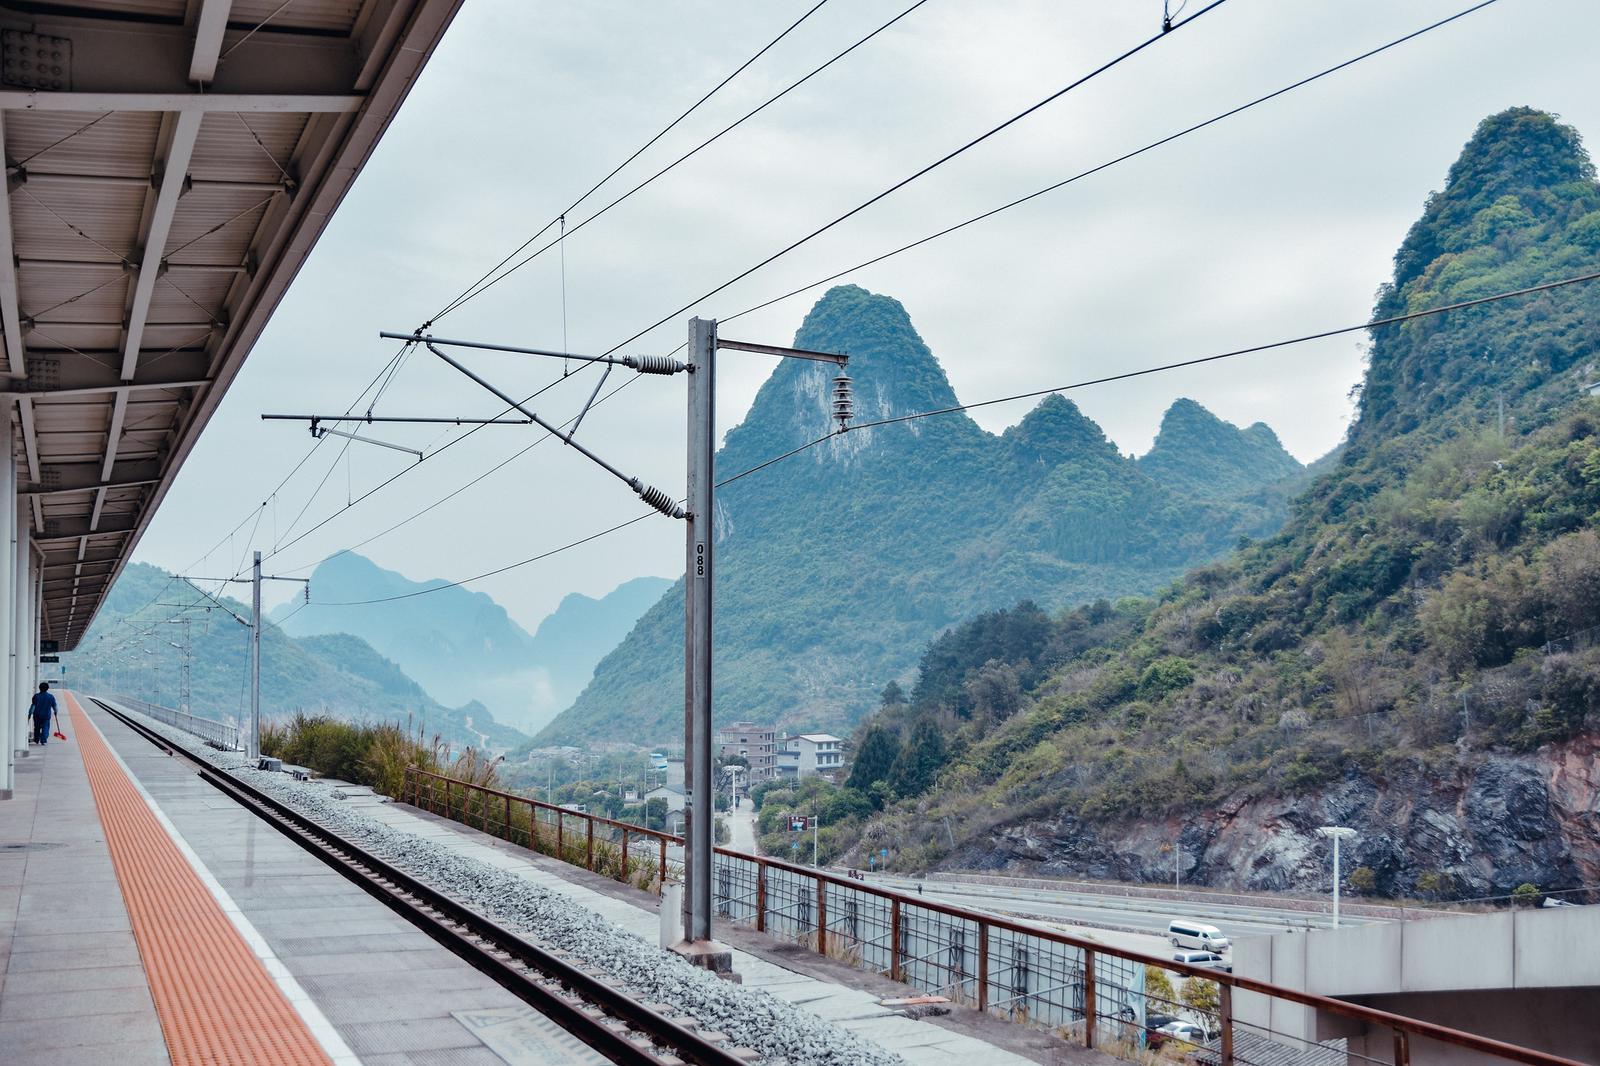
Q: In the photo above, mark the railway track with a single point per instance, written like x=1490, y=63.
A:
x=588, y=1005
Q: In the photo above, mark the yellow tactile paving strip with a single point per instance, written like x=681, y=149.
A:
x=217, y=1003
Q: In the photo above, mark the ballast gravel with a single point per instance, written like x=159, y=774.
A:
x=750, y=1018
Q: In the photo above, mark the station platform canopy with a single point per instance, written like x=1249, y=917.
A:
x=169, y=166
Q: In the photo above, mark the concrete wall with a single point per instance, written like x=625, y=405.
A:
x=1529, y=976
x=1562, y=1021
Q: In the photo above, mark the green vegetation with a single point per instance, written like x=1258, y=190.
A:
x=375, y=755
x=837, y=566
x=132, y=649
x=1435, y=593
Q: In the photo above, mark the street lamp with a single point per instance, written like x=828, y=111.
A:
x=1336, y=833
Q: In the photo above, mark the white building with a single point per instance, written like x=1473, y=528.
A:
x=807, y=754
x=673, y=794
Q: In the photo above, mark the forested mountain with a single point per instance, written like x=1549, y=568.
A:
x=133, y=649
x=835, y=566
x=1414, y=655
x=461, y=645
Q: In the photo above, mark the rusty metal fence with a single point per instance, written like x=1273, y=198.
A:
x=1090, y=993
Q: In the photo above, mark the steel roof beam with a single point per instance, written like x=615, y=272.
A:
x=61, y=530
x=183, y=103
x=112, y=55
x=208, y=31
x=174, y=169
x=84, y=477
x=66, y=374
x=10, y=313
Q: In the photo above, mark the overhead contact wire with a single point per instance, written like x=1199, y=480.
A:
x=467, y=293
x=1111, y=162
x=486, y=286
x=929, y=168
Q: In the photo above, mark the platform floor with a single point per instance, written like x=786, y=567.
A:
x=73, y=985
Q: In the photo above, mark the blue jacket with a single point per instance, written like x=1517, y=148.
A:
x=43, y=706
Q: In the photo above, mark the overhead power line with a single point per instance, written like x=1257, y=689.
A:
x=498, y=570
x=1032, y=394
x=929, y=168
x=1023, y=200
x=483, y=285
x=467, y=293
x=1164, y=367
x=849, y=214
x=1053, y=187
x=502, y=464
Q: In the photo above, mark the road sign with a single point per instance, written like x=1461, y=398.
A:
x=797, y=824
x=49, y=658
x=49, y=647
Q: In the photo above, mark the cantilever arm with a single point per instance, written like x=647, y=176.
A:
x=651, y=495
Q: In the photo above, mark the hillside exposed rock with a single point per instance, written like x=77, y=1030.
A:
x=1486, y=825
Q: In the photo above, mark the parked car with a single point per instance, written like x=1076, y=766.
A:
x=1186, y=934
x=1209, y=959
x=1186, y=1032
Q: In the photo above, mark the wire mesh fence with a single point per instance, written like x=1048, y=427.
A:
x=1089, y=993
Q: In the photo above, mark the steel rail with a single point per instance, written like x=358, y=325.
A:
x=531, y=973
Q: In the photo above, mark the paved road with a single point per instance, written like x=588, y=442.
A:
x=1150, y=916
x=742, y=828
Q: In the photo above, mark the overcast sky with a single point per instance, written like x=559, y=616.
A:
x=1277, y=222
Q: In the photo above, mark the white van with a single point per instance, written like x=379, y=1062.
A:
x=1187, y=934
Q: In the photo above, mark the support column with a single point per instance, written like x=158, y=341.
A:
x=36, y=557
x=697, y=597
x=19, y=623
x=10, y=739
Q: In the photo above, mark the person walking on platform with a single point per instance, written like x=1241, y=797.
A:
x=41, y=711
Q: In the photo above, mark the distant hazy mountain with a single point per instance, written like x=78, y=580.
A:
x=837, y=566
x=133, y=649
x=461, y=645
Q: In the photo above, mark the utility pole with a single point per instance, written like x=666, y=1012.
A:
x=816, y=820
x=699, y=562
x=1336, y=833
x=698, y=586
x=253, y=740
x=700, y=552
x=253, y=745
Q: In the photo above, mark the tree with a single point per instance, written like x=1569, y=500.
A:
x=1362, y=880
x=893, y=694
x=1204, y=997
x=1525, y=895
x=1158, y=987
x=919, y=761
x=1435, y=884
x=874, y=757
x=993, y=691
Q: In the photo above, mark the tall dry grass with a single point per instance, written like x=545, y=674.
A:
x=372, y=754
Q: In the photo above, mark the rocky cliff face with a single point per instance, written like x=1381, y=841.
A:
x=1494, y=822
